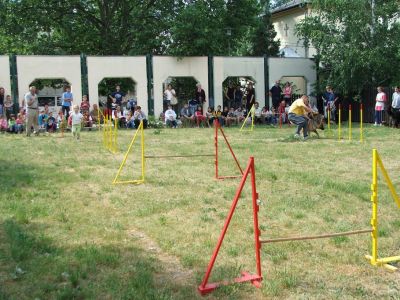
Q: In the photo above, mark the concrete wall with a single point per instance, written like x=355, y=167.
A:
x=118, y=66
x=5, y=74
x=239, y=66
x=164, y=67
x=49, y=67
x=292, y=67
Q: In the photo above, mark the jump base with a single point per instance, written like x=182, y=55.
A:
x=209, y=287
x=384, y=262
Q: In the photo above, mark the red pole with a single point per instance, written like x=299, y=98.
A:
x=255, y=216
x=230, y=149
x=225, y=228
x=216, y=148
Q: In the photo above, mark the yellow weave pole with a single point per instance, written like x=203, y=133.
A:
x=361, y=124
x=115, y=181
x=350, y=129
x=105, y=133
x=250, y=113
x=110, y=133
x=340, y=122
x=373, y=258
x=115, y=135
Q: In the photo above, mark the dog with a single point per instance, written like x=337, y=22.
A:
x=315, y=122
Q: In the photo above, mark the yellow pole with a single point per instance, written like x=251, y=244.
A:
x=253, y=109
x=361, y=124
x=142, y=142
x=126, y=155
x=350, y=132
x=340, y=122
x=374, y=200
x=110, y=134
x=115, y=135
x=105, y=132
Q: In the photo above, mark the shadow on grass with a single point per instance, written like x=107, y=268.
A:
x=33, y=267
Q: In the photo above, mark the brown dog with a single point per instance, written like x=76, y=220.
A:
x=316, y=122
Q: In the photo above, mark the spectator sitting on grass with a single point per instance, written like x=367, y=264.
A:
x=218, y=115
x=3, y=123
x=120, y=117
x=130, y=121
x=258, y=118
x=239, y=114
x=85, y=105
x=8, y=106
x=224, y=116
x=12, y=124
x=210, y=116
x=231, y=118
x=87, y=120
x=170, y=117
x=51, y=124
x=20, y=121
x=138, y=116
x=200, y=118
x=95, y=114
x=186, y=115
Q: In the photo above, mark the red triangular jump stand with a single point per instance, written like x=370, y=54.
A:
x=206, y=287
x=218, y=128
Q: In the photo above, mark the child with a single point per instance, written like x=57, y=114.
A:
x=20, y=122
x=12, y=124
x=85, y=105
x=3, y=124
x=51, y=125
x=218, y=115
x=210, y=116
x=62, y=123
x=199, y=116
x=87, y=120
x=76, y=122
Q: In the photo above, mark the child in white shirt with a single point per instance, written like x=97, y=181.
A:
x=76, y=118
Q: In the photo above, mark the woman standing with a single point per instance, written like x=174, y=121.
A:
x=170, y=96
x=250, y=97
x=379, y=106
x=287, y=93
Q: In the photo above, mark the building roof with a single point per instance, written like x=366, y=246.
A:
x=290, y=5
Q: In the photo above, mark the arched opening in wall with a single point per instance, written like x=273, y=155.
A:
x=184, y=89
x=49, y=93
x=293, y=87
x=238, y=91
x=117, y=91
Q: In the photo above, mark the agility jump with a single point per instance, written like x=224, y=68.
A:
x=206, y=287
x=140, y=130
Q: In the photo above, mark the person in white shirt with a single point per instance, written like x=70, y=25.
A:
x=258, y=114
x=170, y=117
x=396, y=106
x=76, y=120
x=138, y=116
x=379, y=106
x=170, y=95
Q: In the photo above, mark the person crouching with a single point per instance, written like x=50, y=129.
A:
x=298, y=115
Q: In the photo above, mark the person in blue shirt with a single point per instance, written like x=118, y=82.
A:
x=67, y=99
x=118, y=97
x=330, y=100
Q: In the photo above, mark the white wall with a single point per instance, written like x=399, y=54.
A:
x=164, y=67
x=116, y=67
x=49, y=67
x=5, y=74
x=292, y=67
x=239, y=66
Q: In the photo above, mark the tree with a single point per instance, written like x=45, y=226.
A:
x=263, y=36
x=357, y=42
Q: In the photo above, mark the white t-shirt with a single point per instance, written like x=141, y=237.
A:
x=169, y=94
x=380, y=101
x=170, y=115
x=76, y=118
x=396, y=100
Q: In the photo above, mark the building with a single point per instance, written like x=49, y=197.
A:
x=284, y=19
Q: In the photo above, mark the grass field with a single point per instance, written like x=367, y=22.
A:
x=67, y=233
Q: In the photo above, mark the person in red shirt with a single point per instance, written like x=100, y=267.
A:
x=282, y=112
x=200, y=118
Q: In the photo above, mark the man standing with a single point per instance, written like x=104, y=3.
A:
x=118, y=97
x=32, y=105
x=396, y=106
x=275, y=93
x=298, y=115
x=67, y=99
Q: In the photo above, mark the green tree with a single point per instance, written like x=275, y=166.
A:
x=356, y=41
x=263, y=36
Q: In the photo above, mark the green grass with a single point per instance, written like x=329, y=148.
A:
x=67, y=233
